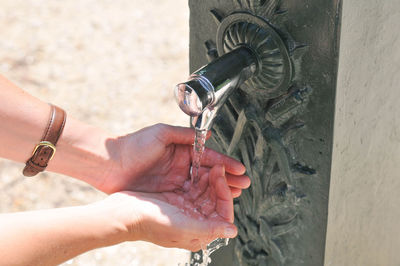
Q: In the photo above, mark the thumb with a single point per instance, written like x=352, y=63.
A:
x=207, y=231
x=178, y=135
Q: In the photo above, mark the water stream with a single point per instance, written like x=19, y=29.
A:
x=198, y=150
x=204, y=259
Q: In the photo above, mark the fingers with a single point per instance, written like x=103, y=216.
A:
x=173, y=134
x=241, y=182
x=236, y=192
x=236, y=183
x=224, y=200
x=184, y=135
x=178, y=135
x=205, y=232
x=211, y=158
x=218, y=181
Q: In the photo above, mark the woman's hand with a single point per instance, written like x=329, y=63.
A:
x=154, y=159
x=158, y=159
x=190, y=217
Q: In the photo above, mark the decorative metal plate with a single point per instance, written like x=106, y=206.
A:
x=274, y=69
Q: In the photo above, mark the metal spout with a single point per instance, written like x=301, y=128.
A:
x=208, y=88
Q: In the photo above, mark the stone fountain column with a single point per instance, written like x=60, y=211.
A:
x=279, y=123
x=364, y=201
x=282, y=125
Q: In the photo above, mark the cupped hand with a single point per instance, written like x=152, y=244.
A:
x=190, y=217
x=158, y=159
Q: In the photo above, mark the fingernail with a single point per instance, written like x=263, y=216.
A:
x=229, y=232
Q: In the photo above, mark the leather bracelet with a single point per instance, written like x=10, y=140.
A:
x=45, y=150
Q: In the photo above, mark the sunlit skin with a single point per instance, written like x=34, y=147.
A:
x=209, y=198
x=189, y=217
x=154, y=159
x=165, y=154
x=146, y=173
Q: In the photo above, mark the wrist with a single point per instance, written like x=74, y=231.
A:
x=83, y=152
x=126, y=214
x=109, y=228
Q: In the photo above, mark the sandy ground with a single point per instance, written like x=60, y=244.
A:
x=110, y=63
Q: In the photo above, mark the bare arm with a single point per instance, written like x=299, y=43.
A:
x=168, y=219
x=51, y=237
x=81, y=151
x=154, y=159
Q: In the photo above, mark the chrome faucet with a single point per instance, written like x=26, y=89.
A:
x=208, y=88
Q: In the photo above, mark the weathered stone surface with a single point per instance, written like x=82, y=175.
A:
x=284, y=138
x=364, y=213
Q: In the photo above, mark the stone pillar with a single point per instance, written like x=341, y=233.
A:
x=279, y=123
x=364, y=201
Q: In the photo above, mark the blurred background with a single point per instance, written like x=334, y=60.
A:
x=110, y=63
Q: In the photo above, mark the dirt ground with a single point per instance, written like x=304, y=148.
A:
x=110, y=63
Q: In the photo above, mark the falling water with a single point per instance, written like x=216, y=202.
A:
x=204, y=259
x=198, y=150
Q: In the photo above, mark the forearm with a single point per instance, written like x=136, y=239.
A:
x=82, y=151
x=53, y=236
x=22, y=121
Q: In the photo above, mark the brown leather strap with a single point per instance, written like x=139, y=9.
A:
x=45, y=150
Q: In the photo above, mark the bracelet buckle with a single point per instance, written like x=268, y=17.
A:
x=47, y=144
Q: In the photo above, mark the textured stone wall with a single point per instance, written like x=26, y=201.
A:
x=283, y=134
x=364, y=201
